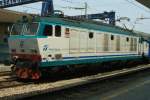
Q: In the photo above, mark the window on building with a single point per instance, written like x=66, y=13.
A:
x=58, y=31
x=112, y=37
x=48, y=30
x=91, y=35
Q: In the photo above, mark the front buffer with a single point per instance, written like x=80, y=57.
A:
x=26, y=66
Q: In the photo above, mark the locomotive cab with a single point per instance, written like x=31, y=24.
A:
x=31, y=43
x=24, y=49
x=23, y=42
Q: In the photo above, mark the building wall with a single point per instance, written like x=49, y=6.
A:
x=4, y=31
x=4, y=28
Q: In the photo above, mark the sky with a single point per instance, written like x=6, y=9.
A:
x=123, y=8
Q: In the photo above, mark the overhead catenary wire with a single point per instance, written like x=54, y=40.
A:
x=72, y=2
x=133, y=24
x=80, y=7
x=73, y=7
x=133, y=3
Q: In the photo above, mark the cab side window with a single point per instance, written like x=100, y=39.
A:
x=91, y=35
x=58, y=31
x=48, y=30
x=112, y=37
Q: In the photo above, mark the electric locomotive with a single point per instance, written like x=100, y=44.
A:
x=49, y=42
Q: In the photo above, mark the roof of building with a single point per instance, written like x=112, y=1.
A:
x=145, y=2
x=7, y=16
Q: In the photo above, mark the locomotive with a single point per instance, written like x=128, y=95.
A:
x=49, y=42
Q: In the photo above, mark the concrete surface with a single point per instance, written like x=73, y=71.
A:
x=4, y=68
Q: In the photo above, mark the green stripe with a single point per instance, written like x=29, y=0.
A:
x=87, y=61
x=25, y=36
x=87, y=25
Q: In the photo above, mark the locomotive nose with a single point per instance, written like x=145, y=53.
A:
x=24, y=48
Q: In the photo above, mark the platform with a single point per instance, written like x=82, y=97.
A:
x=134, y=86
x=36, y=89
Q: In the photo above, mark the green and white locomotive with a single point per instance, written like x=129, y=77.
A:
x=49, y=42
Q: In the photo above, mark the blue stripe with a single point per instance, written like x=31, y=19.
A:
x=88, y=61
x=98, y=56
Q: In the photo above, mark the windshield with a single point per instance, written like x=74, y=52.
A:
x=17, y=29
x=24, y=29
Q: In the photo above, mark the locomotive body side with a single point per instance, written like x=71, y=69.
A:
x=61, y=42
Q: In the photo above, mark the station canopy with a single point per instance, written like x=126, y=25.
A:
x=145, y=2
x=7, y=16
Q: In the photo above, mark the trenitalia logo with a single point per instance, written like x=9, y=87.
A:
x=10, y=3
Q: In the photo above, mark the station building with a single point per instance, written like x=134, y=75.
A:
x=7, y=18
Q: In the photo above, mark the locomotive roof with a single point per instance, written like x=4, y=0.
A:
x=89, y=24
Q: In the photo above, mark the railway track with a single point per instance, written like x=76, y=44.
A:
x=12, y=83
x=6, y=76
x=8, y=80
x=5, y=73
